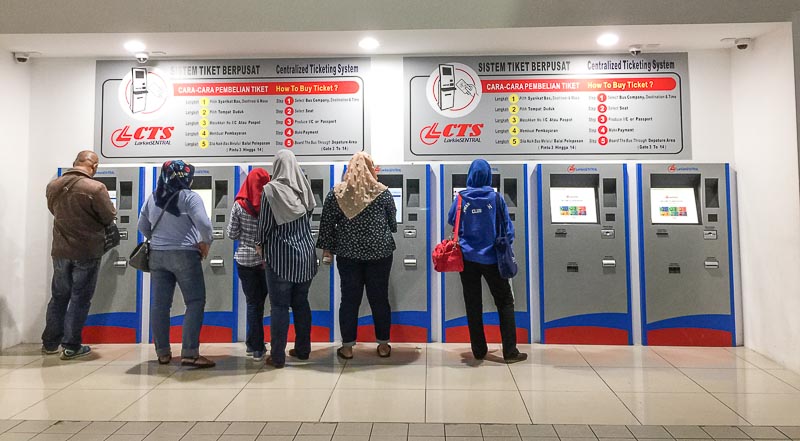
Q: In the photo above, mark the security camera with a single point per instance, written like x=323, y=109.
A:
x=21, y=57
x=142, y=57
x=743, y=43
x=635, y=50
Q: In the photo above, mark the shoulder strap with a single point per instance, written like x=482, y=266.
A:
x=152, y=230
x=500, y=221
x=458, y=218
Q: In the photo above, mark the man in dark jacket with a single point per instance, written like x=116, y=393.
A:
x=82, y=208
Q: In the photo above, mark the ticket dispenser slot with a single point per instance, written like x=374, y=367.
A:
x=510, y=192
x=712, y=193
x=125, y=196
x=220, y=194
x=318, y=190
x=412, y=193
x=609, y=192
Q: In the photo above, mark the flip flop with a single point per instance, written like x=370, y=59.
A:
x=341, y=354
x=198, y=362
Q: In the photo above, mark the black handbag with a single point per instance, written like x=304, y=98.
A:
x=140, y=256
x=112, y=236
x=506, y=262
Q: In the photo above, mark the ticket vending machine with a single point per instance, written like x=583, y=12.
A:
x=320, y=294
x=686, y=254
x=584, y=272
x=116, y=312
x=511, y=180
x=217, y=186
x=410, y=279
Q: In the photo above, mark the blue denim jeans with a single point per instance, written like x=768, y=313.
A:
x=282, y=295
x=356, y=276
x=185, y=268
x=72, y=290
x=254, y=285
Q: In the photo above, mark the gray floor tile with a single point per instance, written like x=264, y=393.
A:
x=137, y=428
x=649, y=432
x=350, y=437
x=81, y=436
x=173, y=428
x=602, y=431
x=275, y=438
x=426, y=438
x=316, y=429
x=7, y=424
x=426, y=429
x=687, y=432
x=103, y=427
x=237, y=438
x=313, y=438
x=129, y=437
x=792, y=432
x=171, y=437
x=388, y=438
x=462, y=430
x=281, y=428
x=499, y=430
x=501, y=438
x=573, y=431
x=762, y=432
x=725, y=432
x=67, y=427
x=31, y=427
x=244, y=428
x=208, y=428
x=188, y=437
x=19, y=436
x=360, y=429
x=537, y=430
x=393, y=429
x=538, y=438
x=52, y=437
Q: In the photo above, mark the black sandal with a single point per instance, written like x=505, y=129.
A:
x=341, y=354
x=164, y=359
x=198, y=362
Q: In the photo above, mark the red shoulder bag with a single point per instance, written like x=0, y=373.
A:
x=447, y=257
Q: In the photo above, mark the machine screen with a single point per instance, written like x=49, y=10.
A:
x=206, y=196
x=673, y=206
x=573, y=205
x=397, y=195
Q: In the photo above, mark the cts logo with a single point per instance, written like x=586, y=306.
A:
x=571, y=168
x=672, y=168
x=430, y=134
x=121, y=137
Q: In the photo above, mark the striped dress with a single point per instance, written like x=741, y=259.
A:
x=288, y=248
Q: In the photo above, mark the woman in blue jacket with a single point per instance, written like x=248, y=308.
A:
x=477, y=232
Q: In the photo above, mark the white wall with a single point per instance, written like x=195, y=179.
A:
x=765, y=151
x=14, y=121
x=62, y=124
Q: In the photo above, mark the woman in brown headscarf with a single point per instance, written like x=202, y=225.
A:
x=358, y=219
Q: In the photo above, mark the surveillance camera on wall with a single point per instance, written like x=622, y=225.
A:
x=21, y=57
x=635, y=50
x=743, y=43
x=142, y=57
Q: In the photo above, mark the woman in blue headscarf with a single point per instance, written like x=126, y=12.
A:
x=178, y=244
x=476, y=235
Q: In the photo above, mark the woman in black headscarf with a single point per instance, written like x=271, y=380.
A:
x=174, y=219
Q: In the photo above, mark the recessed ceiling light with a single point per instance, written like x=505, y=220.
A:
x=608, y=39
x=369, y=43
x=134, y=46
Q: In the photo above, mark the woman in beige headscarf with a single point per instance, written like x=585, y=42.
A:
x=358, y=219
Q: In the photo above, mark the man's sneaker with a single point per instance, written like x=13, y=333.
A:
x=70, y=354
x=46, y=351
x=258, y=355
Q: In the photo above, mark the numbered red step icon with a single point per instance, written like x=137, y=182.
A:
x=602, y=130
x=602, y=108
x=289, y=143
x=288, y=100
x=603, y=141
x=602, y=119
x=288, y=122
x=289, y=132
x=602, y=97
x=289, y=111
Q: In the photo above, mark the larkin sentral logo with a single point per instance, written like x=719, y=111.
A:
x=145, y=136
x=672, y=168
x=431, y=134
x=573, y=169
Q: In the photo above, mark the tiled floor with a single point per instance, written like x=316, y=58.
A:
x=626, y=392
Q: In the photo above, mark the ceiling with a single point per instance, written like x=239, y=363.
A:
x=530, y=40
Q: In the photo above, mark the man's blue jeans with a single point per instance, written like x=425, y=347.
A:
x=282, y=295
x=72, y=290
x=185, y=268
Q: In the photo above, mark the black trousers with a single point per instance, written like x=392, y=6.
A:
x=356, y=275
x=473, y=301
x=254, y=285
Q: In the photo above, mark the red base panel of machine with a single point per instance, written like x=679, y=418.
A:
x=460, y=334
x=399, y=334
x=208, y=334
x=108, y=334
x=586, y=335
x=689, y=337
x=319, y=334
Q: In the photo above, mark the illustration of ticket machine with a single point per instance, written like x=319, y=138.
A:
x=686, y=256
x=447, y=86
x=116, y=312
x=217, y=186
x=584, y=277
x=511, y=180
x=138, y=96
